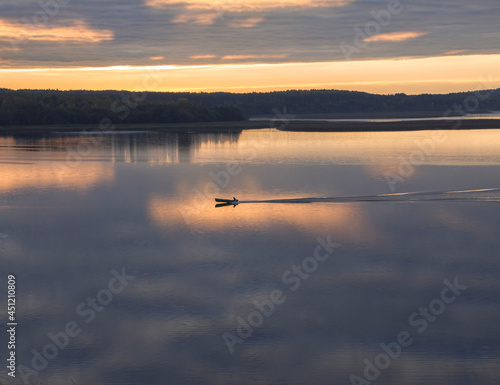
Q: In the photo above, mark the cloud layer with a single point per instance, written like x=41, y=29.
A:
x=247, y=5
x=131, y=32
x=79, y=32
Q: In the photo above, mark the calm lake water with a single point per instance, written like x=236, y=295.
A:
x=126, y=273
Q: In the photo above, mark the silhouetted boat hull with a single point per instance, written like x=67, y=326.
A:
x=231, y=201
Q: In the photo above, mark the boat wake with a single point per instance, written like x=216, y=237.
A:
x=483, y=195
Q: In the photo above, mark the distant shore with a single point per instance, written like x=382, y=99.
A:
x=409, y=125
x=174, y=127
x=313, y=125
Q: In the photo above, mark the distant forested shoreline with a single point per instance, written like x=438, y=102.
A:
x=52, y=107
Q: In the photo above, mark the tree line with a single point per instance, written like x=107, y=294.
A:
x=43, y=107
x=305, y=102
x=33, y=107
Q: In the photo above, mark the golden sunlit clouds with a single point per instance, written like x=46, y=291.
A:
x=242, y=57
x=300, y=44
x=218, y=8
x=79, y=32
x=456, y=52
x=395, y=36
x=198, y=57
x=246, y=23
x=200, y=19
x=211, y=18
x=246, y=5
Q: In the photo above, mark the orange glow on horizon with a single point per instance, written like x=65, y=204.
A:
x=428, y=75
x=395, y=36
x=79, y=32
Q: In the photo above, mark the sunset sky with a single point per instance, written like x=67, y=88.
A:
x=412, y=46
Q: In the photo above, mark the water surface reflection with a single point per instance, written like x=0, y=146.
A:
x=122, y=207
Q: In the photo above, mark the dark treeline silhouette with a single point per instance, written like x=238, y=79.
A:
x=32, y=107
x=334, y=101
x=40, y=107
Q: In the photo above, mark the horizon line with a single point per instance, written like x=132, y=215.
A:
x=250, y=92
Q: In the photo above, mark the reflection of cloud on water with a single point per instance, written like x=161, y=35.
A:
x=193, y=281
x=345, y=221
x=195, y=284
x=45, y=164
x=54, y=161
x=43, y=175
x=380, y=149
x=461, y=221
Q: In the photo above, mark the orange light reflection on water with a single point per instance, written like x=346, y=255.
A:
x=24, y=169
x=346, y=221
